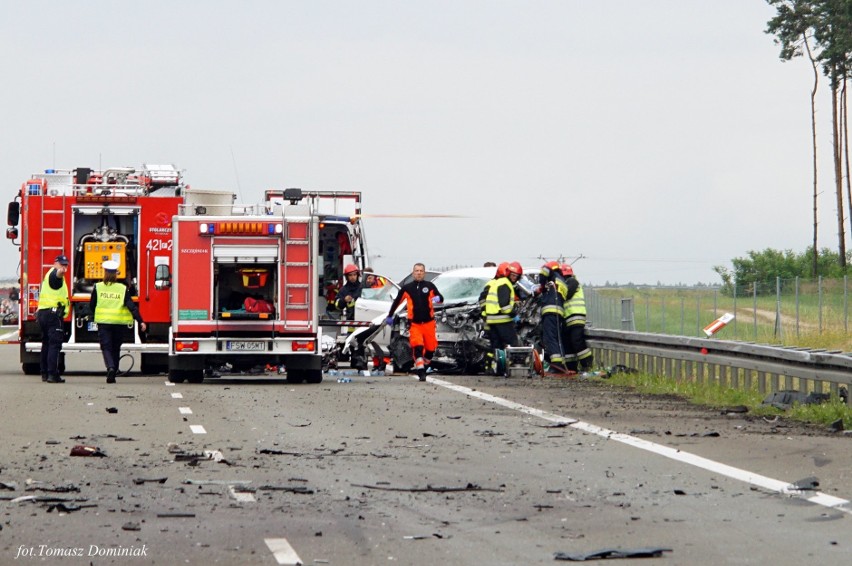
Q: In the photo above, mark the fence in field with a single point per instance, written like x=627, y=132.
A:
x=786, y=312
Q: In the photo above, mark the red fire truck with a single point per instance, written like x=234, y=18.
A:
x=250, y=284
x=120, y=214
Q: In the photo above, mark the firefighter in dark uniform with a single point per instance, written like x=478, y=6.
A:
x=579, y=355
x=500, y=308
x=350, y=292
x=53, y=303
x=114, y=311
x=554, y=292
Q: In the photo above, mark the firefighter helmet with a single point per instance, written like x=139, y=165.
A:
x=515, y=268
x=501, y=269
x=567, y=270
x=350, y=268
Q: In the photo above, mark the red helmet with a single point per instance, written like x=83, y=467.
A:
x=501, y=269
x=567, y=270
x=515, y=268
x=350, y=268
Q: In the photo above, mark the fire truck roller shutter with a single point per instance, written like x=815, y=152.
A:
x=245, y=254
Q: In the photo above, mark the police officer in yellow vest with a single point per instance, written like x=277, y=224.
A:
x=114, y=312
x=53, y=304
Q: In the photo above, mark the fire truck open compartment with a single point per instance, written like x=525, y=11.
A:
x=245, y=291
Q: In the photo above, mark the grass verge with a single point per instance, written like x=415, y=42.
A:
x=719, y=397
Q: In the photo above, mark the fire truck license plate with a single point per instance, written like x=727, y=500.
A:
x=246, y=346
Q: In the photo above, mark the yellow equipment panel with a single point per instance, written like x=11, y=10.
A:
x=96, y=253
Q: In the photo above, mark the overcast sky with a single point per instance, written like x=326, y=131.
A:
x=654, y=138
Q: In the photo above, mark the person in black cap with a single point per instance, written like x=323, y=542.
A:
x=114, y=311
x=53, y=304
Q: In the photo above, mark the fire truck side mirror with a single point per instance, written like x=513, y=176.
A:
x=14, y=213
x=162, y=277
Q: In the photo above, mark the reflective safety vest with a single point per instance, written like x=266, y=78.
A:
x=575, y=308
x=553, y=300
x=494, y=312
x=110, y=308
x=49, y=297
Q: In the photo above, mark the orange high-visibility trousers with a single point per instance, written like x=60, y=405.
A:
x=423, y=334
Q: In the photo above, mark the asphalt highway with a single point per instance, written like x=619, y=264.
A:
x=460, y=470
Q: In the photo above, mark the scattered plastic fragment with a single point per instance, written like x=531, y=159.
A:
x=81, y=450
x=805, y=484
x=140, y=481
x=112, y=410
x=645, y=552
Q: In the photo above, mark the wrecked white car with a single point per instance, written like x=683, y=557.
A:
x=462, y=342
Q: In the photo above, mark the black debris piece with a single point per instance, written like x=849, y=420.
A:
x=644, y=431
x=176, y=515
x=679, y=492
x=68, y=488
x=140, y=481
x=288, y=488
x=131, y=526
x=11, y=486
x=736, y=409
x=620, y=368
x=67, y=507
x=805, y=484
x=645, y=552
x=112, y=410
x=786, y=398
x=710, y=434
x=836, y=426
x=428, y=488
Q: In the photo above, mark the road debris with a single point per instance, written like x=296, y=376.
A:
x=131, y=526
x=805, y=484
x=140, y=481
x=429, y=488
x=644, y=552
x=81, y=450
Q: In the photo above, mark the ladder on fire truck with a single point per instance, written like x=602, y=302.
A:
x=53, y=229
x=297, y=273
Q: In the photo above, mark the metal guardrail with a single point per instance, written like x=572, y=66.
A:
x=733, y=364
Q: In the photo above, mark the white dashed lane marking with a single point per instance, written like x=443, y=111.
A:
x=197, y=429
x=185, y=410
x=177, y=396
x=283, y=552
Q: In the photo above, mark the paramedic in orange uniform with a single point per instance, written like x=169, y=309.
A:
x=421, y=296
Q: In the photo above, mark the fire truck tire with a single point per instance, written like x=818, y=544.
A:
x=195, y=376
x=306, y=375
x=31, y=369
x=153, y=363
x=177, y=375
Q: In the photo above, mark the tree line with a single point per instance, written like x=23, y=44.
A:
x=761, y=268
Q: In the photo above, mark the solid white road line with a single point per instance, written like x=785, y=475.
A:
x=197, y=429
x=283, y=552
x=782, y=487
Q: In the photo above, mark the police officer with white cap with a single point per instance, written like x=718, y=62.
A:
x=53, y=304
x=114, y=312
